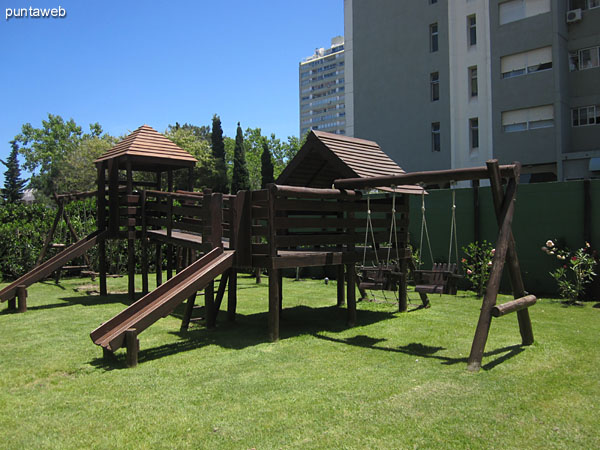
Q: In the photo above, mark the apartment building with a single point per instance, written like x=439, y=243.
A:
x=445, y=84
x=322, y=87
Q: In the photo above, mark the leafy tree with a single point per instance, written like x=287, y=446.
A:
x=282, y=153
x=78, y=172
x=240, y=179
x=220, y=183
x=45, y=150
x=188, y=138
x=266, y=168
x=13, y=184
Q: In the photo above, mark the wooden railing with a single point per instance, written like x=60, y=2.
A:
x=305, y=219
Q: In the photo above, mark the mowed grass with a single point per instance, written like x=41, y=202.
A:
x=394, y=381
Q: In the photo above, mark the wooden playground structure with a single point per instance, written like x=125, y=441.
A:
x=274, y=229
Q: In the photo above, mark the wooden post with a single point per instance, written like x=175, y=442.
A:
x=159, y=278
x=170, y=225
x=232, y=295
x=113, y=198
x=189, y=309
x=514, y=268
x=130, y=240
x=169, y=234
x=341, y=300
x=209, y=305
x=351, y=294
x=274, y=277
x=107, y=355
x=101, y=218
x=144, y=239
x=133, y=347
x=221, y=291
x=22, y=298
x=12, y=304
x=402, y=286
x=280, y=282
x=273, y=305
x=489, y=300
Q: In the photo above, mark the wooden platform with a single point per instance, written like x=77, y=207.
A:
x=182, y=239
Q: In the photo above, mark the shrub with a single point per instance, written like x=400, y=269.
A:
x=576, y=271
x=477, y=264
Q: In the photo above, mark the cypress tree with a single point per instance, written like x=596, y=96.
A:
x=266, y=166
x=218, y=152
x=240, y=179
x=13, y=184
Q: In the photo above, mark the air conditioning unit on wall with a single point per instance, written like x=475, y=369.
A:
x=574, y=15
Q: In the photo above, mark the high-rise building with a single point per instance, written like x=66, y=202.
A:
x=443, y=84
x=322, y=85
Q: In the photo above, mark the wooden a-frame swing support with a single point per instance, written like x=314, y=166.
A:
x=504, y=205
x=61, y=200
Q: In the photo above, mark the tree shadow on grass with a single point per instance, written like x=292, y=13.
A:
x=248, y=331
x=426, y=351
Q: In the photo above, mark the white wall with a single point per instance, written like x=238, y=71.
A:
x=462, y=105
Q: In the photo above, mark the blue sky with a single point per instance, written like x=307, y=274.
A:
x=128, y=63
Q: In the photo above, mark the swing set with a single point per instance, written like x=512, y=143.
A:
x=380, y=275
x=443, y=277
x=504, y=181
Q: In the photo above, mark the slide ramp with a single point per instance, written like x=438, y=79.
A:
x=43, y=270
x=162, y=300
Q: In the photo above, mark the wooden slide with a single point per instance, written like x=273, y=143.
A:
x=43, y=270
x=162, y=300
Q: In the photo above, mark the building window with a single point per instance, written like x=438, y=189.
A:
x=586, y=115
x=474, y=133
x=584, y=4
x=532, y=61
x=434, y=81
x=433, y=37
x=435, y=137
x=472, y=30
x=514, y=10
x=587, y=58
x=528, y=119
x=473, y=81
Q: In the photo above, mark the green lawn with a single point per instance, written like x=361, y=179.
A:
x=393, y=381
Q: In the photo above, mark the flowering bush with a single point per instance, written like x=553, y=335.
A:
x=477, y=264
x=576, y=271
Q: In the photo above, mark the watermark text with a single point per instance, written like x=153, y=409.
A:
x=35, y=13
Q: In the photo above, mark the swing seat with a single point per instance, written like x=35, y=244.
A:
x=378, y=278
x=440, y=280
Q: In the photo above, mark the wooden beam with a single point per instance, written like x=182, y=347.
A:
x=130, y=241
x=341, y=300
x=435, y=176
x=274, y=305
x=133, y=347
x=232, y=295
x=101, y=224
x=351, y=294
x=305, y=192
x=514, y=305
x=514, y=268
x=22, y=298
x=489, y=300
